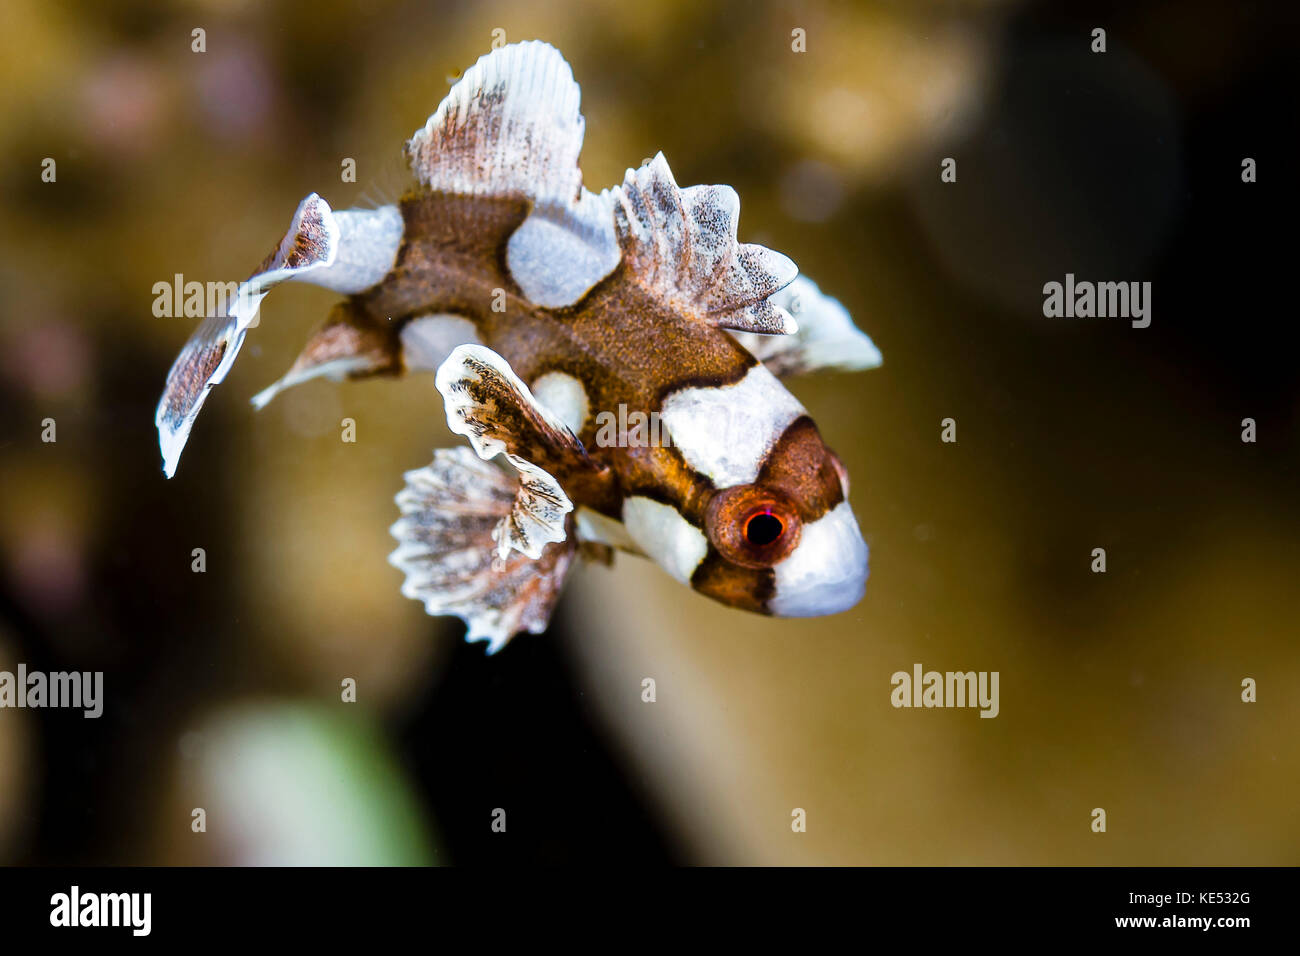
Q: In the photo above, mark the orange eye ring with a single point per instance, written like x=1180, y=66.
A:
x=751, y=526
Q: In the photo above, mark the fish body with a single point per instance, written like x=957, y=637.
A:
x=546, y=312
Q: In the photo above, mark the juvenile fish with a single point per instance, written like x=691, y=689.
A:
x=539, y=305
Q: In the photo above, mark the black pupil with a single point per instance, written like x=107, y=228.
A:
x=763, y=529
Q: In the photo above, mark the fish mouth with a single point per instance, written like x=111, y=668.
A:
x=827, y=572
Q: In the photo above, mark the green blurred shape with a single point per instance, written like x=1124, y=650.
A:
x=291, y=784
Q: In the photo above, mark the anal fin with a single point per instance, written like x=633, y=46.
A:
x=452, y=513
x=349, y=344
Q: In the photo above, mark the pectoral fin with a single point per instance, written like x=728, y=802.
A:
x=487, y=403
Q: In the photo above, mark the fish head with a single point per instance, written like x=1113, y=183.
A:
x=766, y=525
x=786, y=544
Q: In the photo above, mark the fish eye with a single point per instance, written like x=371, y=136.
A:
x=762, y=528
x=753, y=526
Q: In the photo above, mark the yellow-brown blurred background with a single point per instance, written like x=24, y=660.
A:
x=1118, y=690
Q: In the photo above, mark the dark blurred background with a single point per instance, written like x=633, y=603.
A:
x=1118, y=690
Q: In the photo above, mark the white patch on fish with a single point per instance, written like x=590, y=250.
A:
x=565, y=397
x=429, y=339
x=724, y=432
x=663, y=534
x=827, y=571
x=602, y=529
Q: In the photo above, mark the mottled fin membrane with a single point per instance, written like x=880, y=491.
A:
x=511, y=126
x=452, y=512
x=681, y=244
x=826, y=338
x=487, y=403
x=346, y=251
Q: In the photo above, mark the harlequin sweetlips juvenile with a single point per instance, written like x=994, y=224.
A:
x=538, y=304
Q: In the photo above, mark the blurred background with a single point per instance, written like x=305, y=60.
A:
x=222, y=689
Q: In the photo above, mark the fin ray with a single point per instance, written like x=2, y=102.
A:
x=347, y=251
x=451, y=511
x=681, y=243
x=510, y=125
x=487, y=403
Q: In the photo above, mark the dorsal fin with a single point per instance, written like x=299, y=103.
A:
x=511, y=126
x=827, y=337
x=681, y=244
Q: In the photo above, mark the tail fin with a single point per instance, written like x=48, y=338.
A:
x=347, y=251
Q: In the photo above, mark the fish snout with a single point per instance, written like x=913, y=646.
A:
x=826, y=572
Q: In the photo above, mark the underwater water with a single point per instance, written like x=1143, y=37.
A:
x=258, y=661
